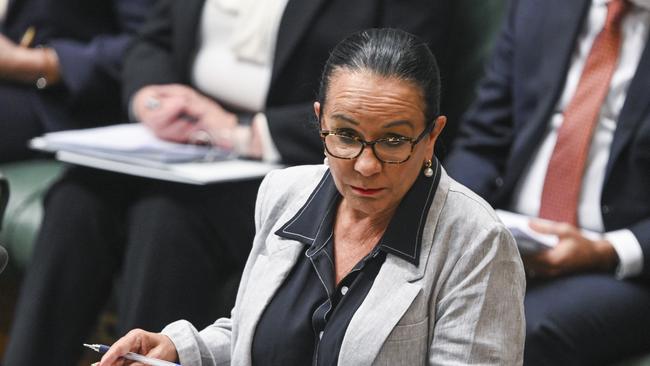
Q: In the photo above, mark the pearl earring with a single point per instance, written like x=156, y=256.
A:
x=428, y=172
x=326, y=161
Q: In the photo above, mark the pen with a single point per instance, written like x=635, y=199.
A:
x=132, y=356
x=28, y=37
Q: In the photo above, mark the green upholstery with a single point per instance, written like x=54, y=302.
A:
x=639, y=361
x=28, y=182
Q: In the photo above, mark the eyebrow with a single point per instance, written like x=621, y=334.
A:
x=351, y=120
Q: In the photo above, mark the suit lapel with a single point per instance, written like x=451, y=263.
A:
x=636, y=106
x=268, y=272
x=293, y=26
x=558, y=33
x=393, y=291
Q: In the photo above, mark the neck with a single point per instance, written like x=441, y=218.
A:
x=357, y=223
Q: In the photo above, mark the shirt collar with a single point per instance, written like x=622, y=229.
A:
x=312, y=225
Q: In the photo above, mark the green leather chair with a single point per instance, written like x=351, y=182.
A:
x=28, y=181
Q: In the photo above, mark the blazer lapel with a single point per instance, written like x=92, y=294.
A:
x=558, y=32
x=293, y=26
x=394, y=290
x=268, y=272
x=636, y=106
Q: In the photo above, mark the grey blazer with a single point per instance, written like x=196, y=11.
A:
x=462, y=305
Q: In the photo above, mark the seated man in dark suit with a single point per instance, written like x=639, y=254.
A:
x=561, y=131
x=72, y=81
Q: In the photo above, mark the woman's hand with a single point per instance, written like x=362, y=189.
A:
x=573, y=253
x=176, y=112
x=153, y=345
x=163, y=109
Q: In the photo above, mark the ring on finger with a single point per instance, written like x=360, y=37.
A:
x=152, y=103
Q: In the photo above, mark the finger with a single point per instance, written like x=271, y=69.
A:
x=560, y=229
x=176, y=90
x=179, y=131
x=166, y=115
x=129, y=343
x=543, y=226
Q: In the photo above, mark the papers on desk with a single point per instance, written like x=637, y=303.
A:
x=133, y=149
x=528, y=240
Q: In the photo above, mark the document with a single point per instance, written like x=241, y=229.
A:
x=528, y=240
x=132, y=149
x=125, y=142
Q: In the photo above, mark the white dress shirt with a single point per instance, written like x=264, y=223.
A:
x=4, y=4
x=528, y=193
x=228, y=70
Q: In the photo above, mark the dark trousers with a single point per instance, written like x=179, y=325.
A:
x=19, y=121
x=168, y=246
x=588, y=319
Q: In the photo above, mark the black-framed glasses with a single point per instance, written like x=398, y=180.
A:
x=393, y=150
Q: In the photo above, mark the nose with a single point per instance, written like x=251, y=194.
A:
x=367, y=163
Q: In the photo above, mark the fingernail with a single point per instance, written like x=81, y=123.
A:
x=95, y=364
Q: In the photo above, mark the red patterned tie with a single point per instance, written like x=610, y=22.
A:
x=566, y=168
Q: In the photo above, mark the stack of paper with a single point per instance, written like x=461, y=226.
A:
x=123, y=142
x=133, y=149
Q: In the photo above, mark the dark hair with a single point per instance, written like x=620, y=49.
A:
x=391, y=53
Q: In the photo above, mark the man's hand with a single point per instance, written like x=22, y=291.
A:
x=573, y=253
x=153, y=345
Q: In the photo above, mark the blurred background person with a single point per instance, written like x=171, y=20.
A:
x=60, y=66
x=244, y=73
x=562, y=132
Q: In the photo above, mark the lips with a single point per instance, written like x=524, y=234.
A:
x=366, y=191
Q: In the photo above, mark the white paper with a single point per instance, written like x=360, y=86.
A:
x=133, y=149
x=528, y=240
x=131, y=140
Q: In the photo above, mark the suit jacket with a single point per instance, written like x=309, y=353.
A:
x=506, y=124
x=90, y=38
x=462, y=304
x=308, y=31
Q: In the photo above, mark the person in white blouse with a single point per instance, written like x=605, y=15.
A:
x=557, y=63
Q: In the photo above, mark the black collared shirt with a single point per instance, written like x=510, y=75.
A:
x=307, y=318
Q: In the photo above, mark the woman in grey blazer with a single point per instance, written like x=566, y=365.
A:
x=377, y=256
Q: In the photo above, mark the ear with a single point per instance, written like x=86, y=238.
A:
x=317, y=111
x=439, y=125
x=440, y=122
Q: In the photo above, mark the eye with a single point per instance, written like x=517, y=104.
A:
x=395, y=141
x=346, y=132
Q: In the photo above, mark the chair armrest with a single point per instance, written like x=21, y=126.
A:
x=4, y=196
